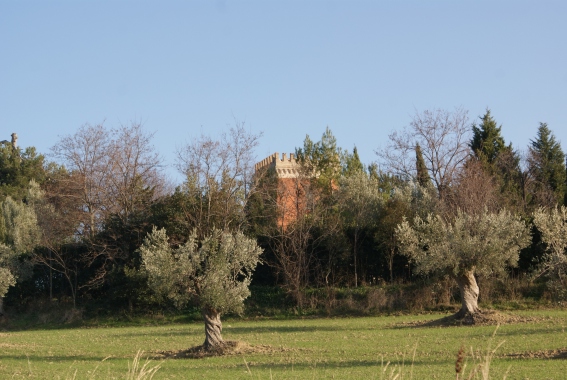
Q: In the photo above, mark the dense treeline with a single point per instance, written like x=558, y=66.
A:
x=77, y=228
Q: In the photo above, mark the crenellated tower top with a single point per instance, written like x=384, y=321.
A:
x=285, y=167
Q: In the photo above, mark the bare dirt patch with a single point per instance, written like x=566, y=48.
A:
x=560, y=353
x=228, y=348
x=482, y=318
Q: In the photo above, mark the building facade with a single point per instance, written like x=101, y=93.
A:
x=291, y=186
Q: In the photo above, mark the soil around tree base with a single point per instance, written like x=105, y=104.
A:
x=560, y=353
x=480, y=318
x=225, y=349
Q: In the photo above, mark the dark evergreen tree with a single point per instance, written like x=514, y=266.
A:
x=547, y=166
x=323, y=158
x=498, y=159
x=17, y=168
x=353, y=163
x=422, y=174
x=487, y=141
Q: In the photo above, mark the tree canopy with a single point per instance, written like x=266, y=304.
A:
x=214, y=271
x=19, y=234
x=468, y=245
x=547, y=165
x=487, y=141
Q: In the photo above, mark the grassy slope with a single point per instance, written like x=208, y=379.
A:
x=347, y=348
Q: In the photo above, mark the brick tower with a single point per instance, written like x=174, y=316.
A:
x=291, y=201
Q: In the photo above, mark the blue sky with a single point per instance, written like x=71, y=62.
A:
x=285, y=68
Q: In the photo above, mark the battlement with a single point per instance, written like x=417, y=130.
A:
x=284, y=166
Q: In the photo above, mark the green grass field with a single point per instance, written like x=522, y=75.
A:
x=344, y=348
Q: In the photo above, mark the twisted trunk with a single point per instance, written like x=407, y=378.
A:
x=469, y=294
x=213, y=329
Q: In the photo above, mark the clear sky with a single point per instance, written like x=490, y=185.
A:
x=285, y=68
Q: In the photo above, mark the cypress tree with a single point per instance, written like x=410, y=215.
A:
x=422, y=174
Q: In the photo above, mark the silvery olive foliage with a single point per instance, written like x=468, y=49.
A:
x=484, y=243
x=215, y=271
x=422, y=200
x=7, y=279
x=553, y=227
x=19, y=234
x=359, y=198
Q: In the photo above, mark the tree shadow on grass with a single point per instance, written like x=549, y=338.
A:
x=282, y=329
x=175, y=331
x=60, y=358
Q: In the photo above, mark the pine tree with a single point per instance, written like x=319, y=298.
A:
x=17, y=168
x=322, y=158
x=422, y=174
x=353, y=163
x=547, y=164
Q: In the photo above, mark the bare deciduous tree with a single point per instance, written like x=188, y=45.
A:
x=443, y=137
x=111, y=166
x=86, y=154
x=135, y=166
x=296, y=225
x=109, y=174
x=474, y=191
x=58, y=211
x=219, y=179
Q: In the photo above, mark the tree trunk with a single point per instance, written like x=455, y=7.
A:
x=469, y=294
x=354, y=251
x=1, y=306
x=213, y=329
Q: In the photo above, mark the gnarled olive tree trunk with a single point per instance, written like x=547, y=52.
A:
x=469, y=294
x=213, y=329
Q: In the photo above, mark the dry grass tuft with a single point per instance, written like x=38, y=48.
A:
x=483, y=361
x=459, y=362
x=137, y=372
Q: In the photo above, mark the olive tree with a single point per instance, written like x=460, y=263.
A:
x=553, y=227
x=360, y=201
x=468, y=245
x=215, y=272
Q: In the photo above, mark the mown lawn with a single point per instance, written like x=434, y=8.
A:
x=345, y=348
